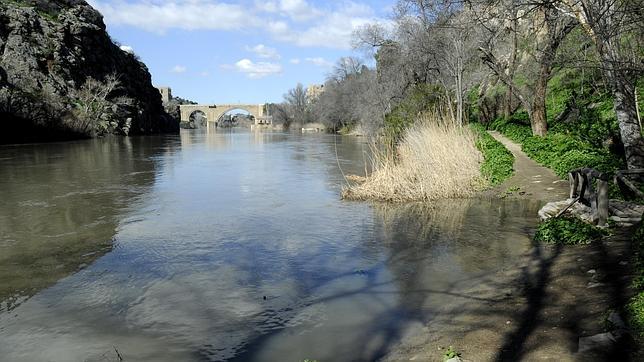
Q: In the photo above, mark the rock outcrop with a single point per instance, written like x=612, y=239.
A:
x=56, y=63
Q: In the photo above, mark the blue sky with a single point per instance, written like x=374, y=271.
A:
x=247, y=51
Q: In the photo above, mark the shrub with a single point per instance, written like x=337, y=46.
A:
x=635, y=307
x=638, y=257
x=497, y=160
x=635, y=310
x=419, y=99
x=568, y=231
x=95, y=106
x=450, y=353
x=435, y=159
x=517, y=128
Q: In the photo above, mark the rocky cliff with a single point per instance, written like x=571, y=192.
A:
x=62, y=76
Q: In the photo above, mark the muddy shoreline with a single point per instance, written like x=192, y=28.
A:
x=538, y=308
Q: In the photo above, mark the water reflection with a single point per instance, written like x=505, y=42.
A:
x=61, y=204
x=235, y=246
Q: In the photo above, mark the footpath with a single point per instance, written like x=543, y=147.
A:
x=532, y=180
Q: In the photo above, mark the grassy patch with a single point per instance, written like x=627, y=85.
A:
x=346, y=129
x=559, y=151
x=450, y=353
x=635, y=310
x=51, y=16
x=567, y=231
x=497, y=160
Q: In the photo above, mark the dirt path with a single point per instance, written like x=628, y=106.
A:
x=532, y=180
x=537, y=309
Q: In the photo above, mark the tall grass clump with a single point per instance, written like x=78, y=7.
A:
x=434, y=159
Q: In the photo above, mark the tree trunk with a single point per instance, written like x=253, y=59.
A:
x=459, y=98
x=626, y=112
x=557, y=28
x=508, y=107
x=538, y=118
x=624, y=104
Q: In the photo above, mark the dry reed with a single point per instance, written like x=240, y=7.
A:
x=435, y=159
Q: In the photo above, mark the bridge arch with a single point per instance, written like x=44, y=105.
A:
x=215, y=112
x=229, y=116
x=198, y=117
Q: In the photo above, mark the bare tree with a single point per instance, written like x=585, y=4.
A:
x=296, y=104
x=444, y=38
x=346, y=67
x=548, y=27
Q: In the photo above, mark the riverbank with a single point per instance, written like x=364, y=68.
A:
x=537, y=309
x=542, y=306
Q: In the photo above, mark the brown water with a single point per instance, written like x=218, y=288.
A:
x=226, y=246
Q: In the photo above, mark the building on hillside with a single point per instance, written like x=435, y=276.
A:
x=166, y=94
x=314, y=91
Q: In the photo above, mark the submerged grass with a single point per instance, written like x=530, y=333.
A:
x=435, y=159
x=567, y=231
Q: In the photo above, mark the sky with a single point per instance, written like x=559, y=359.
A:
x=247, y=51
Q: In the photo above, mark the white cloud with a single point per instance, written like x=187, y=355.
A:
x=336, y=28
x=179, y=69
x=299, y=10
x=293, y=21
x=257, y=70
x=205, y=74
x=294, y=61
x=320, y=62
x=267, y=6
x=263, y=51
x=158, y=17
x=127, y=49
x=278, y=28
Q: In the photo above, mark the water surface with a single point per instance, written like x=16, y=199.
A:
x=228, y=245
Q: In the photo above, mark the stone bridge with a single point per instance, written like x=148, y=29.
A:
x=214, y=113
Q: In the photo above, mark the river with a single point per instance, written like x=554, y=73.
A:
x=227, y=245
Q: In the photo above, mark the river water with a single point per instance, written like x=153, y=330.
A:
x=227, y=245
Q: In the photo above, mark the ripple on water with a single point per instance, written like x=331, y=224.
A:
x=236, y=246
